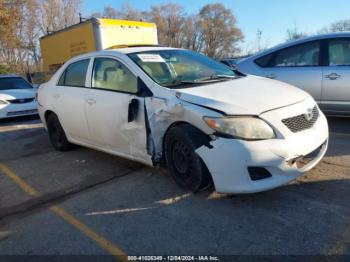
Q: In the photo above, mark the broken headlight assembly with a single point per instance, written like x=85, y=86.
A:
x=242, y=127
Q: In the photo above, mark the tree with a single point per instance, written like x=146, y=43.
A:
x=340, y=26
x=23, y=22
x=110, y=12
x=294, y=34
x=192, y=37
x=57, y=14
x=213, y=31
x=10, y=42
x=126, y=12
x=170, y=21
x=220, y=33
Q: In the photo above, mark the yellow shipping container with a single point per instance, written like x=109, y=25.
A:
x=92, y=35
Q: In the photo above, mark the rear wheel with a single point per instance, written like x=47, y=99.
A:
x=57, y=135
x=185, y=166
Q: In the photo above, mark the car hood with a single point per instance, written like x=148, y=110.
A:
x=17, y=94
x=248, y=95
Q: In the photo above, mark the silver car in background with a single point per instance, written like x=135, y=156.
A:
x=319, y=65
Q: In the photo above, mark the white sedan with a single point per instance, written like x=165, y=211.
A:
x=17, y=97
x=148, y=104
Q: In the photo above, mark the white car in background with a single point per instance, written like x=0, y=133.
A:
x=246, y=134
x=17, y=97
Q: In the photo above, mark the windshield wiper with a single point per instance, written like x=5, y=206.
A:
x=214, y=78
x=179, y=82
x=200, y=81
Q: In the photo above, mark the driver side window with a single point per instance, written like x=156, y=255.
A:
x=109, y=74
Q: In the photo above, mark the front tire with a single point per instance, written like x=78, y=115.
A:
x=185, y=166
x=57, y=135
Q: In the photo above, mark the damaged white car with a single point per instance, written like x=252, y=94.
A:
x=242, y=133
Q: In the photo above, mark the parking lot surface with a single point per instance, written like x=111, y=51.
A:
x=92, y=203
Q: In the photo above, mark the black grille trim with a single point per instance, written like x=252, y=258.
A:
x=21, y=101
x=300, y=122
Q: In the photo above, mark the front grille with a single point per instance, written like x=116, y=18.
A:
x=21, y=101
x=302, y=122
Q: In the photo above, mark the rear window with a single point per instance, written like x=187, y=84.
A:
x=7, y=83
x=264, y=61
x=75, y=74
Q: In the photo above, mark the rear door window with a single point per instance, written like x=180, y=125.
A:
x=75, y=74
x=298, y=56
x=339, y=52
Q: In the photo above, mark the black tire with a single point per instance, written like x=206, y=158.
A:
x=57, y=135
x=185, y=166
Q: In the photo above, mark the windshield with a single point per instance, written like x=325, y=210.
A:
x=176, y=68
x=7, y=83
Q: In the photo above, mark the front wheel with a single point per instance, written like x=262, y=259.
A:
x=185, y=166
x=57, y=135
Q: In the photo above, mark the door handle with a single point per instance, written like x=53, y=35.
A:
x=271, y=76
x=91, y=101
x=56, y=96
x=333, y=76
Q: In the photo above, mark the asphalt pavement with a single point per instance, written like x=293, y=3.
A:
x=85, y=202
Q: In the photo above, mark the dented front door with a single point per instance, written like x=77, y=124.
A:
x=114, y=124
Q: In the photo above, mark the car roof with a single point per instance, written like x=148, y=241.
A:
x=302, y=40
x=124, y=51
x=129, y=50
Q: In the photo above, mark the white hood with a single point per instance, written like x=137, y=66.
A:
x=244, y=96
x=11, y=94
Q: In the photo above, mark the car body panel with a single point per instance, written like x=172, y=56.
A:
x=74, y=121
x=25, y=101
x=251, y=95
x=331, y=94
x=336, y=91
x=143, y=138
x=229, y=159
x=308, y=79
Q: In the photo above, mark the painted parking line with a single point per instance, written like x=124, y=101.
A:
x=65, y=215
x=21, y=127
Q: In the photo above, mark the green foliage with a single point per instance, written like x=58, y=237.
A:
x=4, y=70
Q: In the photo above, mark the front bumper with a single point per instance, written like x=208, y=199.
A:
x=229, y=159
x=16, y=110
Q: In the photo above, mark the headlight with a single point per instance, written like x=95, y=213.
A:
x=2, y=102
x=248, y=128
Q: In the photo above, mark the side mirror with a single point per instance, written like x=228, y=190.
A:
x=133, y=109
x=142, y=88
